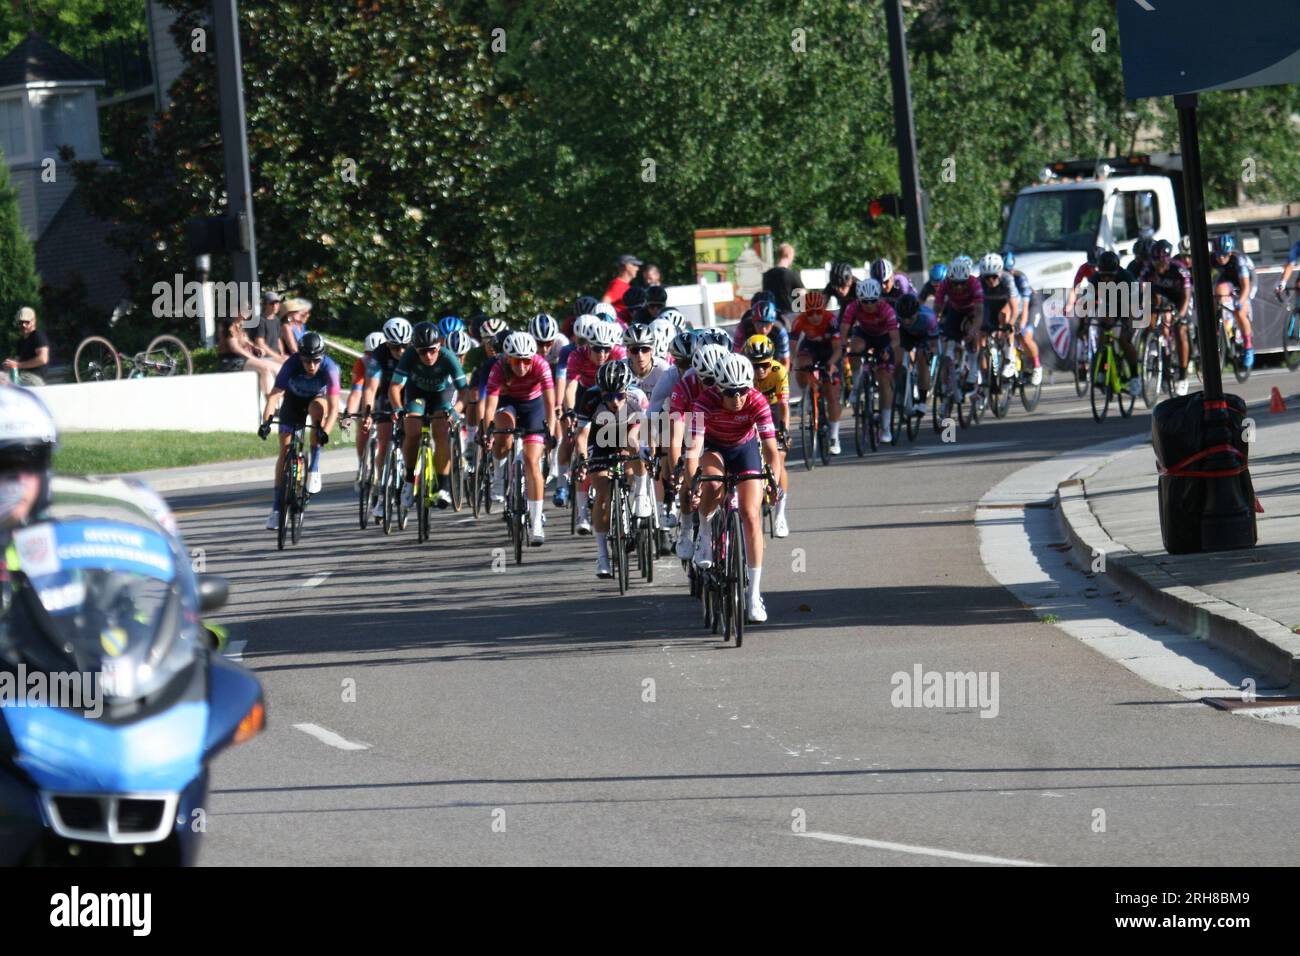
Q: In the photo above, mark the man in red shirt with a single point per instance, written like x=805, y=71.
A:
x=627, y=267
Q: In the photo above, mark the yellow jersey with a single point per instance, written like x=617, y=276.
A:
x=775, y=386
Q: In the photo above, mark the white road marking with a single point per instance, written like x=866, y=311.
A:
x=918, y=850
x=1145, y=6
x=329, y=737
x=316, y=581
x=235, y=651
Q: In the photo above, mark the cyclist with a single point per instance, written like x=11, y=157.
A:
x=959, y=304
x=669, y=429
x=731, y=433
x=1184, y=256
x=817, y=334
x=773, y=383
x=705, y=360
x=1001, y=305
x=1234, y=285
x=1023, y=287
x=893, y=285
x=449, y=324
x=761, y=319
x=1141, y=250
x=308, y=381
x=520, y=390
x=583, y=305
x=582, y=332
x=365, y=370
x=872, y=327
x=27, y=440
x=579, y=373
x=647, y=370
x=1110, y=296
x=615, y=406
x=917, y=326
x=478, y=365
x=1171, y=283
x=431, y=377
x=633, y=300
x=397, y=336
x=842, y=287
x=938, y=272
x=656, y=300
x=1292, y=260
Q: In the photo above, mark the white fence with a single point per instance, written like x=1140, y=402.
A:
x=218, y=402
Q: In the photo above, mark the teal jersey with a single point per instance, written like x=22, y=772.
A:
x=442, y=374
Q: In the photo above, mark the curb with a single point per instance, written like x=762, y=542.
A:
x=256, y=471
x=1261, y=641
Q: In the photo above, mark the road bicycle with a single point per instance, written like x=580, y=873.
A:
x=1108, y=377
x=426, y=477
x=625, y=534
x=515, y=508
x=1232, y=345
x=96, y=360
x=724, y=587
x=366, y=475
x=294, y=503
x=814, y=418
x=769, y=500
x=1010, y=373
x=1084, y=347
x=1159, y=358
x=908, y=413
x=458, y=480
x=391, y=479
x=951, y=389
x=866, y=410
x=1291, y=331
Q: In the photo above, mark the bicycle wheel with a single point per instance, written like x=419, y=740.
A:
x=363, y=491
x=457, y=474
x=422, y=469
x=96, y=361
x=859, y=428
x=1153, y=368
x=940, y=400
x=298, y=491
x=1030, y=394
x=808, y=428
x=823, y=430
x=1291, y=341
x=518, y=508
x=913, y=419
x=651, y=549
x=870, y=419
x=1099, y=379
x=1126, y=401
x=1081, y=366
x=392, y=491
x=737, y=574
x=167, y=355
x=614, y=541
x=286, y=519
x=1000, y=388
x=896, y=425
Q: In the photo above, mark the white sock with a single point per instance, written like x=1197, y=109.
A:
x=755, y=575
x=780, y=507
x=535, y=512
x=602, y=545
x=835, y=430
x=501, y=470
x=706, y=530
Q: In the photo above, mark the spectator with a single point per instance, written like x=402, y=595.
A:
x=265, y=334
x=627, y=266
x=649, y=276
x=781, y=280
x=33, y=350
x=296, y=314
x=237, y=352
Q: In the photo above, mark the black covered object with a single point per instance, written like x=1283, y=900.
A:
x=1206, y=499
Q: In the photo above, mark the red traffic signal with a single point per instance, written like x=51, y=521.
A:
x=891, y=205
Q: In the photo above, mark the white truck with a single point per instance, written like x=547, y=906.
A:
x=1111, y=203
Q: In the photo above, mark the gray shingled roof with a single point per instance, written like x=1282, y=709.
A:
x=36, y=60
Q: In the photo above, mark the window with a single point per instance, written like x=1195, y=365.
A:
x=1056, y=219
x=1133, y=213
x=64, y=122
x=13, y=130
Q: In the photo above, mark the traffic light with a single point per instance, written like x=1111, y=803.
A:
x=890, y=205
x=218, y=234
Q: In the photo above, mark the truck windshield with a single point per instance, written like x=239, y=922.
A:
x=1055, y=220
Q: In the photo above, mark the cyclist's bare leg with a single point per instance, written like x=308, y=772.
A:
x=750, y=494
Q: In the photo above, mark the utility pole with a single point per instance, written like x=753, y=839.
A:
x=234, y=145
x=905, y=135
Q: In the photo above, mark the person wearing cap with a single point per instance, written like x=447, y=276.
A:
x=265, y=334
x=296, y=313
x=626, y=272
x=33, y=351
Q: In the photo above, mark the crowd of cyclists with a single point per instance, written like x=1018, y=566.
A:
x=633, y=381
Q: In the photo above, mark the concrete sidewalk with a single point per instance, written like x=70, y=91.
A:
x=254, y=470
x=1246, y=601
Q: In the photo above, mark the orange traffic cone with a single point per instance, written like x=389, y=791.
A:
x=1277, y=404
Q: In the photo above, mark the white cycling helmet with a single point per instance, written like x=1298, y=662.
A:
x=606, y=333
x=664, y=332
x=398, y=331
x=991, y=265
x=520, y=345
x=961, y=269
x=678, y=321
x=682, y=346
x=543, y=327
x=639, y=333
x=582, y=327
x=735, y=371
x=706, y=360
x=869, y=290
x=459, y=342
x=606, y=311
x=374, y=340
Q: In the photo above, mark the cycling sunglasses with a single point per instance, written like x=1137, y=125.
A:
x=600, y=348
x=613, y=396
x=762, y=366
x=641, y=349
x=432, y=348
x=734, y=392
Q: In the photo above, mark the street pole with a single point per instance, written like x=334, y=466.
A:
x=234, y=145
x=1194, y=199
x=905, y=134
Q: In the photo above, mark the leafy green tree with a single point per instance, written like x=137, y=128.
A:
x=19, y=284
x=77, y=27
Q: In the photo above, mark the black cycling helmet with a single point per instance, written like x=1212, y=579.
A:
x=1094, y=254
x=613, y=378
x=1108, y=262
x=634, y=297
x=841, y=272
x=907, y=306
x=425, y=335
x=585, y=305
x=1142, y=248
x=1162, y=251
x=311, y=346
x=656, y=295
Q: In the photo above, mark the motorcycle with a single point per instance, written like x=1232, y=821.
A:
x=112, y=705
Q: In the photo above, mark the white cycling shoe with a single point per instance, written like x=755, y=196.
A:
x=1037, y=377
x=602, y=568
x=1180, y=387
x=757, y=613
x=273, y=520
x=642, y=506
x=536, y=536
x=886, y=436
x=835, y=446
x=782, y=528
x=313, y=482
x=442, y=499
x=584, y=524
x=702, y=556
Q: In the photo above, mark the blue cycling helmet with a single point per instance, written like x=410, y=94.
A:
x=1008, y=259
x=449, y=324
x=1224, y=244
x=939, y=272
x=763, y=311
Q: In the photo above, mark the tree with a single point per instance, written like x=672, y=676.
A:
x=77, y=27
x=370, y=156
x=19, y=284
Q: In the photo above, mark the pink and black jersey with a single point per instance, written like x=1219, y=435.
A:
x=530, y=385
x=583, y=369
x=964, y=297
x=726, y=428
x=685, y=392
x=875, y=319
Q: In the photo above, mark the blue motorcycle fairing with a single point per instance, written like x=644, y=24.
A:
x=63, y=751
x=232, y=691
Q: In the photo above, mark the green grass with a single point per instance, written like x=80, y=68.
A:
x=110, y=453
x=1050, y=619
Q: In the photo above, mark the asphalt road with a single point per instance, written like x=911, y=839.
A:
x=532, y=716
